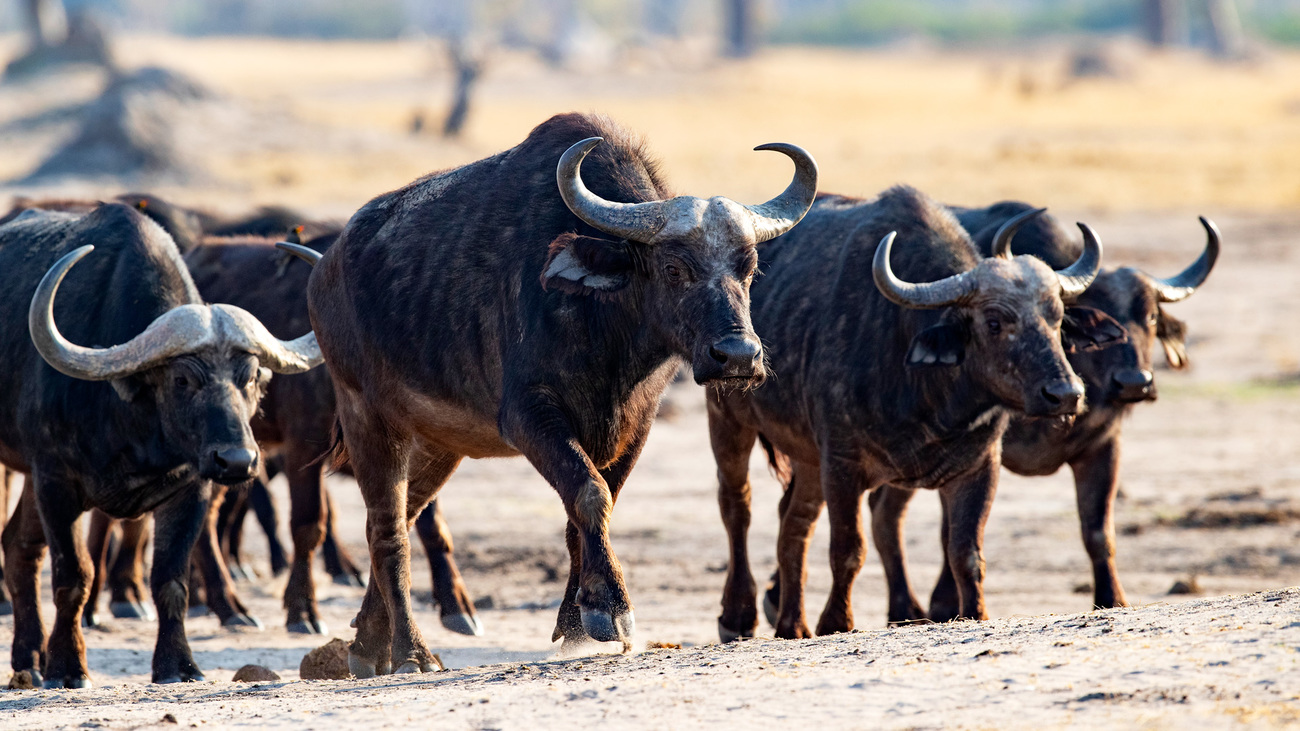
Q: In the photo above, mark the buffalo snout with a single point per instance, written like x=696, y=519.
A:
x=229, y=465
x=1133, y=384
x=738, y=357
x=1058, y=398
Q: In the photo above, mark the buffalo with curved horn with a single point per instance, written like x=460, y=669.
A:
x=1116, y=378
x=515, y=306
x=141, y=406
x=910, y=382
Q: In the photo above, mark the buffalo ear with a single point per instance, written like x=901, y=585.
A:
x=1173, y=336
x=938, y=346
x=1087, y=328
x=586, y=265
x=127, y=388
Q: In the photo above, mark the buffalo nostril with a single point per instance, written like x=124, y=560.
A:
x=1063, y=394
x=235, y=460
x=1134, y=378
x=736, y=351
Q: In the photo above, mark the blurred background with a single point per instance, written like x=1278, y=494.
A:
x=1099, y=104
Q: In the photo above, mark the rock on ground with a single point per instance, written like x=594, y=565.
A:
x=327, y=662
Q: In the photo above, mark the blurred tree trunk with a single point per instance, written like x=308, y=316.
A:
x=664, y=17
x=1165, y=22
x=46, y=21
x=739, y=27
x=467, y=68
x=1226, y=37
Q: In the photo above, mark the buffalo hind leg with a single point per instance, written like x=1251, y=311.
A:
x=6, y=491
x=307, y=526
x=178, y=525
x=596, y=605
x=732, y=444
x=799, y=518
x=128, y=594
x=1096, y=480
x=218, y=587
x=966, y=505
x=230, y=531
x=24, y=549
x=70, y=573
x=843, y=484
x=338, y=563
x=888, y=511
x=772, y=596
x=97, y=546
x=455, y=609
x=263, y=505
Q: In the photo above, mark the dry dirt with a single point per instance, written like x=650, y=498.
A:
x=1210, y=477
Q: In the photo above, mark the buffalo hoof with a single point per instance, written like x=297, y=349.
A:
x=6, y=608
x=307, y=627
x=769, y=609
x=242, y=620
x=363, y=667
x=38, y=680
x=238, y=572
x=89, y=619
x=463, y=624
x=75, y=682
x=198, y=611
x=132, y=610
x=192, y=677
x=602, y=627
x=729, y=635
x=408, y=667
x=350, y=580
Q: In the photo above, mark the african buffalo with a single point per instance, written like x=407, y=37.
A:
x=141, y=407
x=487, y=312
x=1116, y=378
x=898, y=383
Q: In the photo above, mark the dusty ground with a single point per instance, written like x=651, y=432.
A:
x=321, y=126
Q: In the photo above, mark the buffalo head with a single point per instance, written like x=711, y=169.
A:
x=1005, y=318
x=203, y=366
x=693, y=259
x=1134, y=299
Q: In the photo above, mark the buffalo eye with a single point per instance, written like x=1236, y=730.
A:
x=181, y=382
x=673, y=272
x=994, y=325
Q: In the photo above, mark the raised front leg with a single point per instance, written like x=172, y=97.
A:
x=966, y=505
x=307, y=526
x=218, y=586
x=596, y=603
x=454, y=606
x=843, y=483
x=60, y=509
x=799, y=518
x=888, y=511
x=24, y=547
x=732, y=444
x=1096, y=480
x=177, y=526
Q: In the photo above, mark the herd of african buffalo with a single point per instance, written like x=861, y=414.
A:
x=537, y=303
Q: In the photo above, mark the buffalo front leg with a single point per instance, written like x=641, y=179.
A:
x=966, y=505
x=455, y=609
x=843, y=484
x=1096, y=480
x=307, y=526
x=24, y=549
x=218, y=587
x=70, y=572
x=945, y=604
x=732, y=444
x=888, y=511
x=803, y=502
x=596, y=603
x=178, y=524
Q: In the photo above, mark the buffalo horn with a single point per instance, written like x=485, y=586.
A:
x=929, y=295
x=1002, y=241
x=1181, y=286
x=775, y=217
x=1078, y=276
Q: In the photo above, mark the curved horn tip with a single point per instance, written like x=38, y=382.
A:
x=582, y=147
x=311, y=256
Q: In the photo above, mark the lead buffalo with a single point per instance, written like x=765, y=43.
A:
x=898, y=383
x=1116, y=378
x=144, y=403
x=481, y=312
